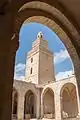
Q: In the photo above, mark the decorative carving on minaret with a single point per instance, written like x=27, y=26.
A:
x=40, y=35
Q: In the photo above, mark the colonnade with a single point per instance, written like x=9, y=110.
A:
x=49, y=103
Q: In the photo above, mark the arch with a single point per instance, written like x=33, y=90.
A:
x=70, y=32
x=61, y=34
x=48, y=103
x=31, y=70
x=58, y=16
x=29, y=105
x=63, y=27
x=14, y=103
x=57, y=4
x=69, y=103
x=2, y=38
x=45, y=90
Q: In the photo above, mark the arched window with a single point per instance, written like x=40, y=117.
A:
x=31, y=71
x=31, y=60
x=29, y=105
x=49, y=104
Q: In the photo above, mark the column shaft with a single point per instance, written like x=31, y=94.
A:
x=42, y=111
x=38, y=105
x=57, y=107
x=20, y=110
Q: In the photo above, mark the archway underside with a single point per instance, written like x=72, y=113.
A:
x=59, y=17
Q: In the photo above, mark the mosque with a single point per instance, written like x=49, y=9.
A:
x=40, y=96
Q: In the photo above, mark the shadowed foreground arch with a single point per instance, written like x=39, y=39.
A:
x=8, y=48
x=69, y=103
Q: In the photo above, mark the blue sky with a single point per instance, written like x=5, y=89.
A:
x=27, y=35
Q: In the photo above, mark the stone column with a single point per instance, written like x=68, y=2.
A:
x=78, y=101
x=77, y=69
x=20, y=110
x=57, y=106
x=13, y=94
x=7, y=60
x=6, y=84
x=42, y=109
x=38, y=104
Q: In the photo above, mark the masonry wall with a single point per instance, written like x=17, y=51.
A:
x=34, y=65
x=46, y=66
x=50, y=100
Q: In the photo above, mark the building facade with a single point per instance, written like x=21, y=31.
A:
x=40, y=96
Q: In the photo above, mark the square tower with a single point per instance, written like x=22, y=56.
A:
x=39, y=64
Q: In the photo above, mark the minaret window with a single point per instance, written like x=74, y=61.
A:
x=31, y=60
x=31, y=71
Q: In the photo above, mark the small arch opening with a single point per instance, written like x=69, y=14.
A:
x=48, y=104
x=69, y=106
x=29, y=105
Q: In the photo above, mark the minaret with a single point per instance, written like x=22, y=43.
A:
x=39, y=64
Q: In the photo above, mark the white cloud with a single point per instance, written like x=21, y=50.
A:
x=63, y=75
x=19, y=71
x=19, y=77
x=59, y=57
x=19, y=67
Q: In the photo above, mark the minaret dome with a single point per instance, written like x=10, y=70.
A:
x=40, y=35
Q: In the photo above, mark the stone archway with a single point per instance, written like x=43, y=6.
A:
x=46, y=8
x=7, y=57
x=14, y=103
x=42, y=13
x=48, y=103
x=29, y=105
x=69, y=103
x=60, y=33
x=53, y=11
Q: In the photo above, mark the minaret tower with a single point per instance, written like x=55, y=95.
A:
x=39, y=64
